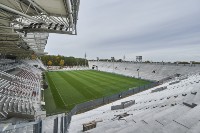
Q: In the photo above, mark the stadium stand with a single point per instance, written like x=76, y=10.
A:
x=24, y=31
x=150, y=71
x=25, y=27
x=174, y=104
x=7, y=64
x=37, y=63
x=67, y=68
x=174, y=109
x=20, y=91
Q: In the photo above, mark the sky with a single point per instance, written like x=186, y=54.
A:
x=158, y=30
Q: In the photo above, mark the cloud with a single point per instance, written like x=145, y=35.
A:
x=132, y=27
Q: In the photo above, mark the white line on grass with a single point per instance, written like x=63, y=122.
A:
x=59, y=93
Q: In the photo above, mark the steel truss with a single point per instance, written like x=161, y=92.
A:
x=25, y=24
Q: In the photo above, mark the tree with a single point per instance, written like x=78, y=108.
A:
x=49, y=63
x=33, y=56
x=62, y=62
x=147, y=61
x=69, y=61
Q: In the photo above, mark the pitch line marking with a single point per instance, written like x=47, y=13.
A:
x=59, y=93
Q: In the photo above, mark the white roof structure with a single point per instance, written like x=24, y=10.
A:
x=175, y=109
x=25, y=24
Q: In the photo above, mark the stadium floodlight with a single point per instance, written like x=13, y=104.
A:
x=55, y=27
x=138, y=58
x=61, y=26
x=31, y=25
x=40, y=25
x=50, y=25
x=35, y=25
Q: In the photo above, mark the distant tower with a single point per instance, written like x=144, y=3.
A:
x=113, y=60
x=124, y=58
x=85, y=58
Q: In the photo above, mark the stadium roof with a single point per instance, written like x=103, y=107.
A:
x=25, y=24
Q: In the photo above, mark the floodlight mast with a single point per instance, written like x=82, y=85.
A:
x=112, y=60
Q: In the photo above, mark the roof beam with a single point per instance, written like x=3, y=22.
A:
x=37, y=6
x=19, y=13
x=67, y=4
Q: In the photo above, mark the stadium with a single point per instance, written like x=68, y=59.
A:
x=41, y=93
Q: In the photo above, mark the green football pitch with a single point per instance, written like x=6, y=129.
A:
x=68, y=88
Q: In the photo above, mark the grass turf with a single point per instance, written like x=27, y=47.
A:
x=68, y=88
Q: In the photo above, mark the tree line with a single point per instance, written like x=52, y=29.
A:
x=59, y=60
